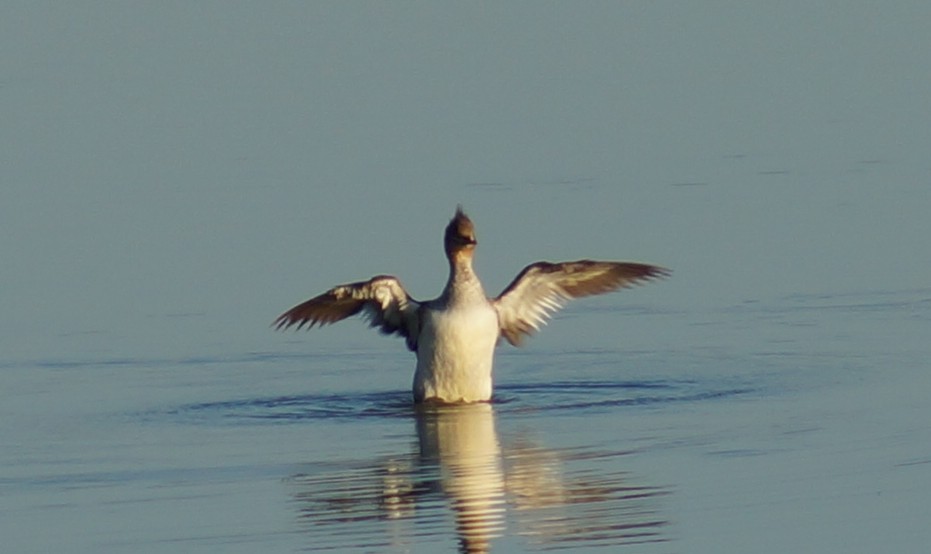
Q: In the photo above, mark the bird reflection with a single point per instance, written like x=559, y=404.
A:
x=459, y=479
x=461, y=441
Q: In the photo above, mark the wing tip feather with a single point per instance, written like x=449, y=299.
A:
x=388, y=310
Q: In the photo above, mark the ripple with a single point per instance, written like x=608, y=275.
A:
x=295, y=408
x=575, y=396
x=516, y=398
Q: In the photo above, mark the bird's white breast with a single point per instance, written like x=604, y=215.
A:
x=455, y=353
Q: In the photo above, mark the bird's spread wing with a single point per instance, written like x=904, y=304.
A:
x=543, y=288
x=382, y=300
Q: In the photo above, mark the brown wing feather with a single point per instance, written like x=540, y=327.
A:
x=382, y=300
x=324, y=309
x=542, y=288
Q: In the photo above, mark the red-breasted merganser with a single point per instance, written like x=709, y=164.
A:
x=454, y=336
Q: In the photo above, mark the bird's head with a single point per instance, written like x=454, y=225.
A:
x=460, y=235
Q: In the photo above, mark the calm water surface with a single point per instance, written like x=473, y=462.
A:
x=650, y=451
x=175, y=175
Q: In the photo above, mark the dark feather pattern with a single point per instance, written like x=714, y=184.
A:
x=542, y=288
x=382, y=300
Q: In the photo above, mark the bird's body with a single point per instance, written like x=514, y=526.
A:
x=454, y=336
x=456, y=346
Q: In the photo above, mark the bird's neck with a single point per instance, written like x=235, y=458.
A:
x=463, y=284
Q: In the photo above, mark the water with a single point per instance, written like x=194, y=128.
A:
x=650, y=450
x=174, y=177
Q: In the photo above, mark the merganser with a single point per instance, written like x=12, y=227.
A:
x=454, y=336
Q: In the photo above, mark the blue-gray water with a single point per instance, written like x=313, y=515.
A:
x=174, y=176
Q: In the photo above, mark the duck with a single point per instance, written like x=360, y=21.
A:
x=454, y=336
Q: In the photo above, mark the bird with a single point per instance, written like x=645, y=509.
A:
x=454, y=335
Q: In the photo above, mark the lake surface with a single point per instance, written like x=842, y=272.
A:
x=655, y=450
x=174, y=177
